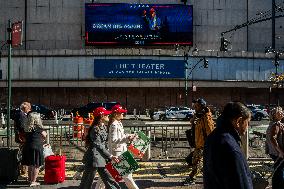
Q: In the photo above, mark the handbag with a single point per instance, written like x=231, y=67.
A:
x=47, y=151
x=20, y=137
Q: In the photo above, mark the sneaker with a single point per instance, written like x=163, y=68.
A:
x=188, y=181
x=34, y=184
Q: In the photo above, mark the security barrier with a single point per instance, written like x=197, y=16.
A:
x=167, y=139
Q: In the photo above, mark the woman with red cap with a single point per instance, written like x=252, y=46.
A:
x=97, y=155
x=117, y=141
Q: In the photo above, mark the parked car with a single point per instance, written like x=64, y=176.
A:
x=89, y=108
x=159, y=114
x=179, y=113
x=44, y=111
x=258, y=112
x=66, y=118
x=173, y=113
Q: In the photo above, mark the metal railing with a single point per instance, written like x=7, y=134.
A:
x=70, y=139
x=167, y=140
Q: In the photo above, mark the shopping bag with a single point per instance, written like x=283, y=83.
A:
x=139, y=146
x=125, y=166
x=47, y=151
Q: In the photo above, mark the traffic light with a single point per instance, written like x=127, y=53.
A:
x=205, y=63
x=224, y=44
x=184, y=1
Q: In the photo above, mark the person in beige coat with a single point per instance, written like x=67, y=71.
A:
x=117, y=142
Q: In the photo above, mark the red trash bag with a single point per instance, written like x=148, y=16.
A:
x=54, y=169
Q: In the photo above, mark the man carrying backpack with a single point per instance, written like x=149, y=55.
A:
x=203, y=125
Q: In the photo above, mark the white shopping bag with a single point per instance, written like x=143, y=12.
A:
x=47, y=151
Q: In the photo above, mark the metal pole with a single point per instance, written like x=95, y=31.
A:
x=247, y=26
x=192, y=92
x=273, y=25
x=186, y=87
x=26, y=17
x=276, y=74
x=269, y=93
x=9, y=82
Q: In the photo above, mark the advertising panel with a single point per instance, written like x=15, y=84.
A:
x=138, y=24
x=17, y=34
x=138, y=68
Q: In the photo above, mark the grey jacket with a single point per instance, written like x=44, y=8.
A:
x=97, y=153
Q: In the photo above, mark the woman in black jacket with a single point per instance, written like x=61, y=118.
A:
x=225, y=166
x=33, y=149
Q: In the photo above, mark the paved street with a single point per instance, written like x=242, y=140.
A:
x=156, y=174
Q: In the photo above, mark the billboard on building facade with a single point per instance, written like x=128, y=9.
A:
x=138, y=24
x=138, y=68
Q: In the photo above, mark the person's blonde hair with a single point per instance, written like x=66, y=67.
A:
x=34, y=121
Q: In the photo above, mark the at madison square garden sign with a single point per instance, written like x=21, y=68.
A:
x=121, y=24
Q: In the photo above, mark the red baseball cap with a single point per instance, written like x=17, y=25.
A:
x=100, y=111
x=118, y=109
x=152, y=10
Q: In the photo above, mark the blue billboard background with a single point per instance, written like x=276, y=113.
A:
x=138, y=68
x=135, y=24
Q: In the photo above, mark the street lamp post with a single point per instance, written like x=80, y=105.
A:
x=277, y=78
x=185, y=79
x=190, y=69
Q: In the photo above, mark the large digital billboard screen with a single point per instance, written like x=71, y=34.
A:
x=138, y=24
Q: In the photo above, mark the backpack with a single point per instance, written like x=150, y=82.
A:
x=190, y=136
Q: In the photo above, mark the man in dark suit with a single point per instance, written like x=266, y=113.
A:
x=20, y=123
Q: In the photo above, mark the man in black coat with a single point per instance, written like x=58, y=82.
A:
x=20, y=123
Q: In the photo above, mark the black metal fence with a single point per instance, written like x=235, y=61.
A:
x=166, y=140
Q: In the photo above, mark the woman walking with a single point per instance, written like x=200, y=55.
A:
x=275, y=146
x=117, y=142
x=97, y=154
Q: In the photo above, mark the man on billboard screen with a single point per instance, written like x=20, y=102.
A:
x=138, y=24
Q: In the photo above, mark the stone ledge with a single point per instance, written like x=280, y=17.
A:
x=135, y=52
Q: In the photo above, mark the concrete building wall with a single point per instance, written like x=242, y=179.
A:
x=139, y=98
x=53, y=67
x=77, y=68
x=59, y=24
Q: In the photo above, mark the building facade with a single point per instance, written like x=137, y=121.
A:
x=54, y=67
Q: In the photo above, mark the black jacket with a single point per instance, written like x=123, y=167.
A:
x=225, y=166
x=20, y=122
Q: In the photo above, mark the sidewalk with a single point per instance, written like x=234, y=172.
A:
x=157, y=174
x=142, y=183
